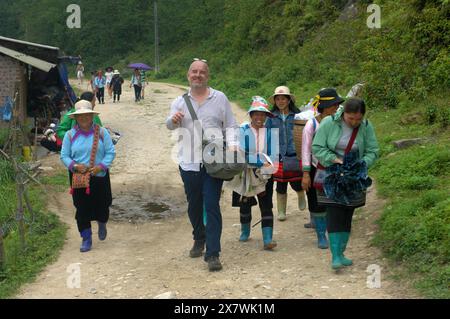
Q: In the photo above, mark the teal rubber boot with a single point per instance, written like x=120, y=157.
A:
x=245, y=232
x=311, y=223
x=335, y=248
x=344, y=237
x=267, y=238
x=321, y=230
x=204, y=215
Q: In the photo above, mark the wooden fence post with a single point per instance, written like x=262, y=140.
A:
x=2, y=251
x=20, y=212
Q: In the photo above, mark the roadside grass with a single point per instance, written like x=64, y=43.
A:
x=44, y=237
x=415, y=225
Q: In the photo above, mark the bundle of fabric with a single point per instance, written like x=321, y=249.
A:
x=250, y=182
x=346, y=183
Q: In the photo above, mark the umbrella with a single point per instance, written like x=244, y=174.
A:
x=140, y=66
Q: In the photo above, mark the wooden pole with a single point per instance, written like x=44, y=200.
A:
x=2, y=251
x=27, y=202
x=35, y=140
x=19, y=214
x=155, y=12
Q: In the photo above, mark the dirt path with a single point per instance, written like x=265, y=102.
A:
x=145, y=259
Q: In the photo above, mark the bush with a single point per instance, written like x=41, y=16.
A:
x=444, y=117
x=250, y=84
x=4, y=133
x=431, y=113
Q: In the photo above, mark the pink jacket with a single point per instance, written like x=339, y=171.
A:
x=307, y=139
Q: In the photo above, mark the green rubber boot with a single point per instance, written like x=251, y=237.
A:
x=281, y=206
x=301, y=200
x=344, y=237
x=269, y=244
x=245, y=232
x=321, y=230
x=335, y=248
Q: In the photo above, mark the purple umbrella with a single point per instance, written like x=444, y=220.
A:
x=140, y=66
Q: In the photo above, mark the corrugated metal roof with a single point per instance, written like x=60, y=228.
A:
x=29, y=43
x=35, y=62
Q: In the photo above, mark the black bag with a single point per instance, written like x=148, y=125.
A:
x=225, y=169
x=291, y=164
x=230, y=163
x=358, y=201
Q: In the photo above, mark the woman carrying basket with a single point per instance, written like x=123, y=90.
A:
x=326, y=103
x=289, y=169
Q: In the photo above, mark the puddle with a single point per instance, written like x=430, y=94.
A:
x=137, y=208
x=154, y=208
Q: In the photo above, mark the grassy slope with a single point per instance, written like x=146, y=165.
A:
x=43, y=241
x=415, y=226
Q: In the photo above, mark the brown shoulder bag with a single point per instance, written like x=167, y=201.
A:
x=82, y=180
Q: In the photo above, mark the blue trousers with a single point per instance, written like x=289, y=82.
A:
x=202, y=189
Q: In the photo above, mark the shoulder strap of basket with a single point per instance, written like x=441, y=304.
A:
x=95, y=145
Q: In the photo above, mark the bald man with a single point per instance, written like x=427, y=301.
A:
x=203, y=192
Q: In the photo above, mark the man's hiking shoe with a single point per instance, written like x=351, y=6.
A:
x=197, y=249
x=214, y=263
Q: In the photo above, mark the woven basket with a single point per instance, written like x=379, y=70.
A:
x=299, y=125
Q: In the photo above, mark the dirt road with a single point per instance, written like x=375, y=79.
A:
x=144, y=258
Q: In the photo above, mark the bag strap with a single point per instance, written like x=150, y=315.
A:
x=190, y=107
x=94, y=145
x=349, y=146
x=352, y=140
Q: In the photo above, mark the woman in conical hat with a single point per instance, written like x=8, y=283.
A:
x=325, y=103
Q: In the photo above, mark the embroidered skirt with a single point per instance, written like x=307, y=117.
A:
x=289, y=176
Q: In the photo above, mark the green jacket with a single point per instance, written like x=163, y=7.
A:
x=329, y=133
x=67, y=123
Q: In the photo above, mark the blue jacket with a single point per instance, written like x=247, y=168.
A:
x=100, y=83
x=286, y=132
x=77, y=147
x=247, y=142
